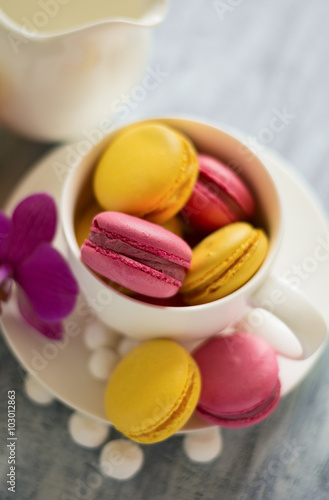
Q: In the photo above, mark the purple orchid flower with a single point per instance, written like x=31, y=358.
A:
x=47, y=290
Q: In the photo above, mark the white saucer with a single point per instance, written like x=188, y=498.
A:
x=65, y=371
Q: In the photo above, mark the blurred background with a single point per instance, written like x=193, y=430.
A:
x=239, y=63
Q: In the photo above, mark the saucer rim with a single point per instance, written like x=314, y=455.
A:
x=270, y=158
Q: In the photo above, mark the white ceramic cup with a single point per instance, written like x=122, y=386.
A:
x=266, y=305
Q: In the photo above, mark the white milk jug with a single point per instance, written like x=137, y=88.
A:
x=67, y=65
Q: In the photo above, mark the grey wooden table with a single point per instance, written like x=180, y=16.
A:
x=237, y=64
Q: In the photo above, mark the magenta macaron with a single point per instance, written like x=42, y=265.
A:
x=219, y=197
x=240, y=384
x=136, y=254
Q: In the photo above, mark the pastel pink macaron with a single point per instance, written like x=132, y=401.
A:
x=240, y=384
x=219, y=197
x=136, y=254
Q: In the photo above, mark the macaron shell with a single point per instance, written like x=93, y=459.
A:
x=179, y=416
x=148, y=171
x=153, y=391
x=181, y=190
x=146, y=235
x=240, y=383
x=223, y=262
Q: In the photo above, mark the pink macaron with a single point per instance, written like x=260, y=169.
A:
x=136, y=254
x=240, y=384
x=219, y=197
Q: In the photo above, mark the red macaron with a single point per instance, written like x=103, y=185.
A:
x=136, y=254
x=219, y=197
x=240, y=384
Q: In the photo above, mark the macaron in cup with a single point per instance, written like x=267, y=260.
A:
x=144, y=321
x=219, y=197
x=223, y=262
x=149, y=171
x=137, y=254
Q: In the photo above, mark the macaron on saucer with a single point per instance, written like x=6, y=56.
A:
x=153, y=391
x=240, y=385
x=62, y=367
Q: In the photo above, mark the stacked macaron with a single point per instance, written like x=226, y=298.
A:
x=157, y=195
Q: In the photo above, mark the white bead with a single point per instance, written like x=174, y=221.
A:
x=126, y=345
x=121, y=459
x=97, y=335
x=203, y=446
x=87, y=431
x=102, y=362
x=37, y=392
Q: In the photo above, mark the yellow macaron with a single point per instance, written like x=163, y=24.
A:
x=149, y=171
x=153, y=391
x=84, y=221
x=223, y=262
x=174, y=225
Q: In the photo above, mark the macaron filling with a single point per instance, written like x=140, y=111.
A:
x=168, y=264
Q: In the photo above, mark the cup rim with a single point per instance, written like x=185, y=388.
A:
x=68, y=228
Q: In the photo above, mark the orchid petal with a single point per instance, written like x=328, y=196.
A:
x=48, y=282
x=33, y=222
x=4, y=232
x=53, y=330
